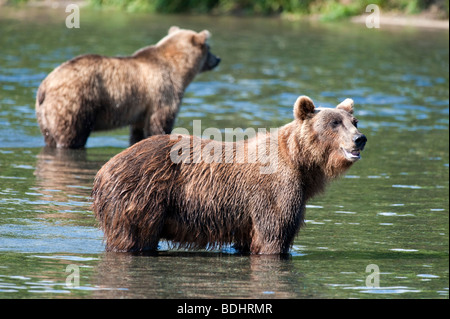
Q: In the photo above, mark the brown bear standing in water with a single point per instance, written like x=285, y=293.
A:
x=93, y=92
x=169, y=186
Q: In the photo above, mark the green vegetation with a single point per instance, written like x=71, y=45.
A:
x=326, y=9
x=15, y=2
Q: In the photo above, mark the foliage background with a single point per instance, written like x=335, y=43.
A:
x=328, y=9
x=325, y=9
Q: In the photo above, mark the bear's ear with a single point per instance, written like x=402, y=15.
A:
x=201, y=37
x=303, y=107
x=346, y=105
x=205, y=34
x=173, y=29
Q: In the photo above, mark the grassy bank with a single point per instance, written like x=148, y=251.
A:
x=324, y=9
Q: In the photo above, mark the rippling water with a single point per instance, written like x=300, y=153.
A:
x=390, y=210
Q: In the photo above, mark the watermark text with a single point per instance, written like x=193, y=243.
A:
x=373, y=19
x=73, y=279
x=73, y=19
x=236, y=145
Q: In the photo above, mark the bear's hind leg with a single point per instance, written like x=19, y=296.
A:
x=241, y=247
x=145, y=235
x=48, y=138
x=134, y=238
x=270, y=241
x=136, y=133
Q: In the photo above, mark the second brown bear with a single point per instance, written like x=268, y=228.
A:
x=94, y=93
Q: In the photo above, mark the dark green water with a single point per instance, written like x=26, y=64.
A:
x=390, y=210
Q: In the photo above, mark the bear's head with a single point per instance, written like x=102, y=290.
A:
x=189, y=49
x=330, y=136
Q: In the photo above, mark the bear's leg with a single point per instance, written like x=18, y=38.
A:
x=48, y=138
x=269, y=247
x=134, y=239
x=74, y=133
x=274, y=231
x=136, y=132
x=139, y=232
x=74, y=139
x=79, y=141
x=160, y=122
x=64, y=134
x=273, y=240
x=243, y=240
x=242, y=247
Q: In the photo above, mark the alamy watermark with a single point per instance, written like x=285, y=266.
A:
x=73, y=279
x=262, y=150
x=373, y=279
x=373, y=19
x=73, y=19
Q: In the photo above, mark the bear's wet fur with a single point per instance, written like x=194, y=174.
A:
x=95, y=93
x=142, y=195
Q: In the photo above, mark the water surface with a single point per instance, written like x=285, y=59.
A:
x=390, y=210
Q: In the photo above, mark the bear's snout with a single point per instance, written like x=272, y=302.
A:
x=360, y=141
x=211, y=62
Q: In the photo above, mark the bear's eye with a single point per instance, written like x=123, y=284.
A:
x=336, y=123
x=355, y=123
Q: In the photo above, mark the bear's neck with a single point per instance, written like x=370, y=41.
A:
x=176, y=65
x=183, y=68
x=295, y=149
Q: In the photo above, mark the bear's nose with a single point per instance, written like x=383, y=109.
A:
x=360, y=141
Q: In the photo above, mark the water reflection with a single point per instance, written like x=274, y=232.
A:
x=62, y=168
x=64, y=182
x=64, y=178
x=196, y=275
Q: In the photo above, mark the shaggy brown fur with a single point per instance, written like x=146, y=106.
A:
x=93, y=92
x=142, y=195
